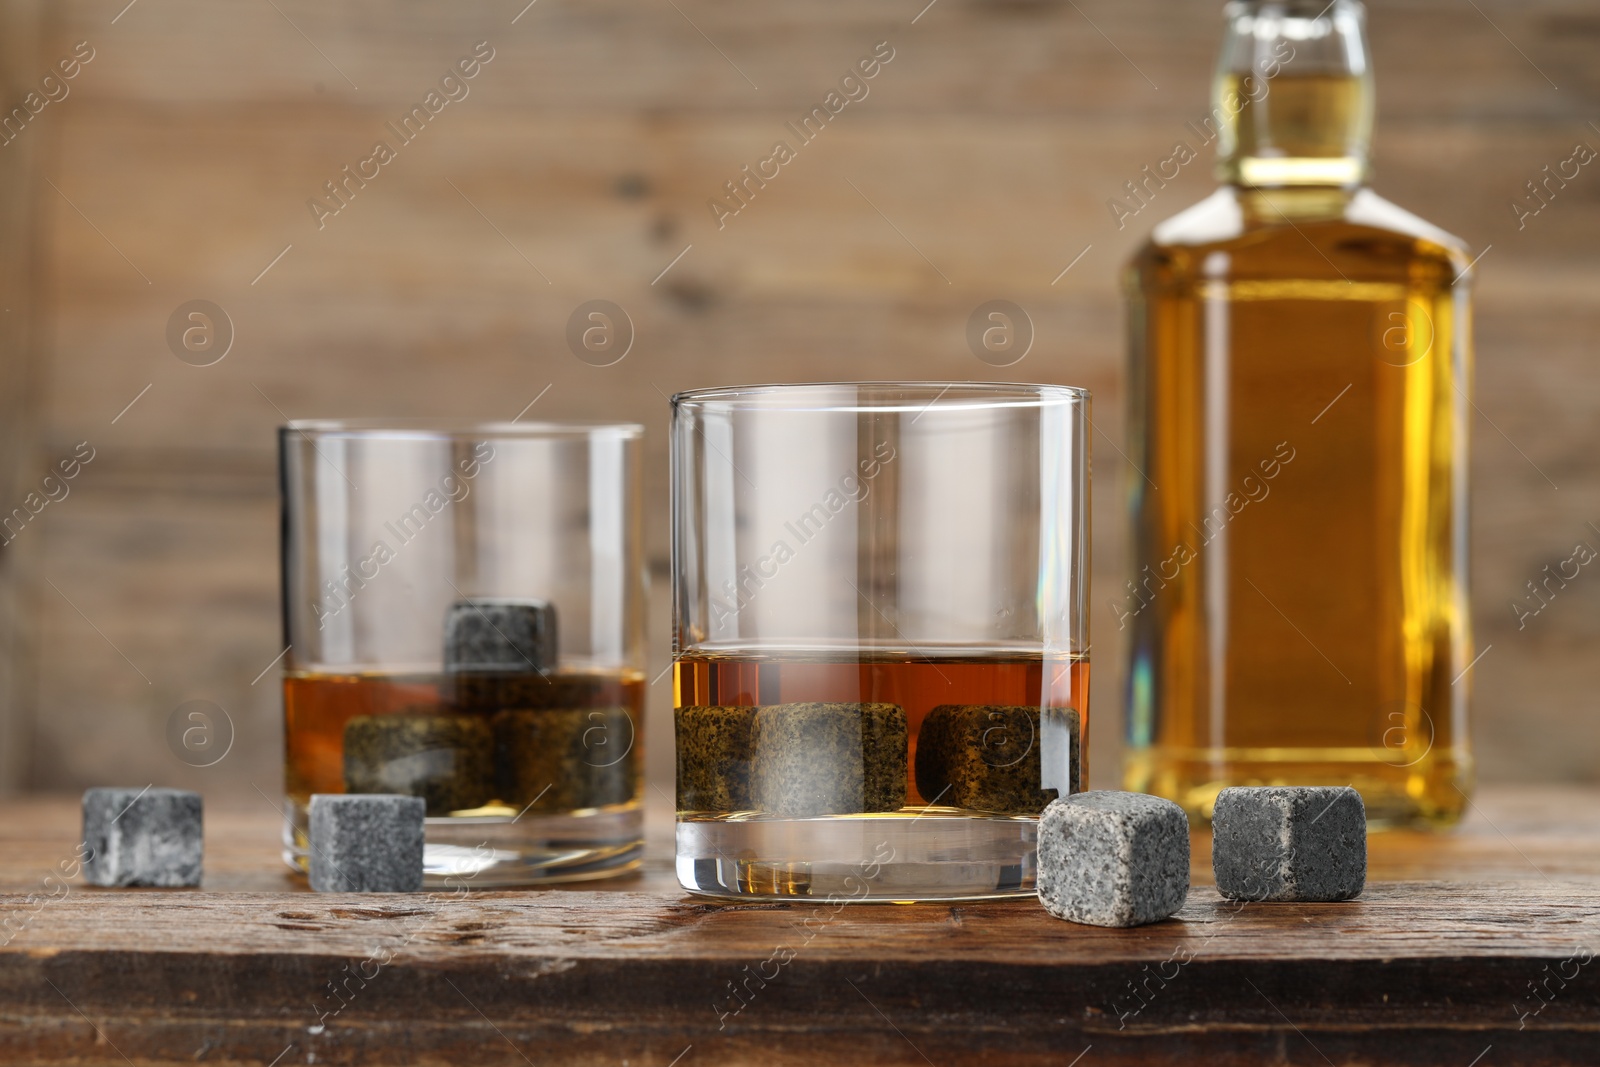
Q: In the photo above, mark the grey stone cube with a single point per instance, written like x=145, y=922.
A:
x=565, y=759
x=713, y=750
x=1289, y=843
x=366, y=843
x=812, y=759
x=445, y=759
x=1061, y=750
x=499, y=634
x=1113, y=859
x=148, y=837
x=989, y=757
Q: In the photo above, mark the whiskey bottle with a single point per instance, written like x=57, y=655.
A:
x=1299, y=360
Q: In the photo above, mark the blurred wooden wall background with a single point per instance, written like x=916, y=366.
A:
x=180, y=163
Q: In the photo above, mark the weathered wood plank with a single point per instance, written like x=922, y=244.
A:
x=1033, y=56
x=21, y=373
x=1489, y=942
x=593, y=141
x=1408, y=974
x=1391, y=920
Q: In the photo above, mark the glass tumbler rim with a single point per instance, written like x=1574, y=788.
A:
x=450, y=428
x=914, y=395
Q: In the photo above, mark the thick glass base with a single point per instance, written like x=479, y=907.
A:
x=904, y=856
x=1428, y=794
x=498, y=851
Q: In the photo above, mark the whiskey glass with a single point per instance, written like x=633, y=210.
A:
x=463, y=610
x=879, y=637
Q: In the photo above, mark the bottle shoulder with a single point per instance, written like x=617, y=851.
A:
x=1369, y=209
x=1217, y=219
x=1236, y=232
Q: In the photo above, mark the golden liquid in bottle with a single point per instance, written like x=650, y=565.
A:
x=1300, y=358
x=1302, y=118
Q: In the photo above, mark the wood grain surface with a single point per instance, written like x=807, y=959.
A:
x=21, y=390
x=1471, y=945
x=579, y=166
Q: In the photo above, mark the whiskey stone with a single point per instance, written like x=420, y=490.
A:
x=149, y=837
x=713, y=747
x=1061, y=750
x=488, y=635
x=366, y=843
x=1289, y=843
x=988, y=757
x=445, y=759
x=828, y=759
x=1113, y=859
x=564, y=759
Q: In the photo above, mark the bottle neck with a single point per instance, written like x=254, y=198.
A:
x=1293, y=94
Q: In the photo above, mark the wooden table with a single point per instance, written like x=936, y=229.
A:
x=1475, y=947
